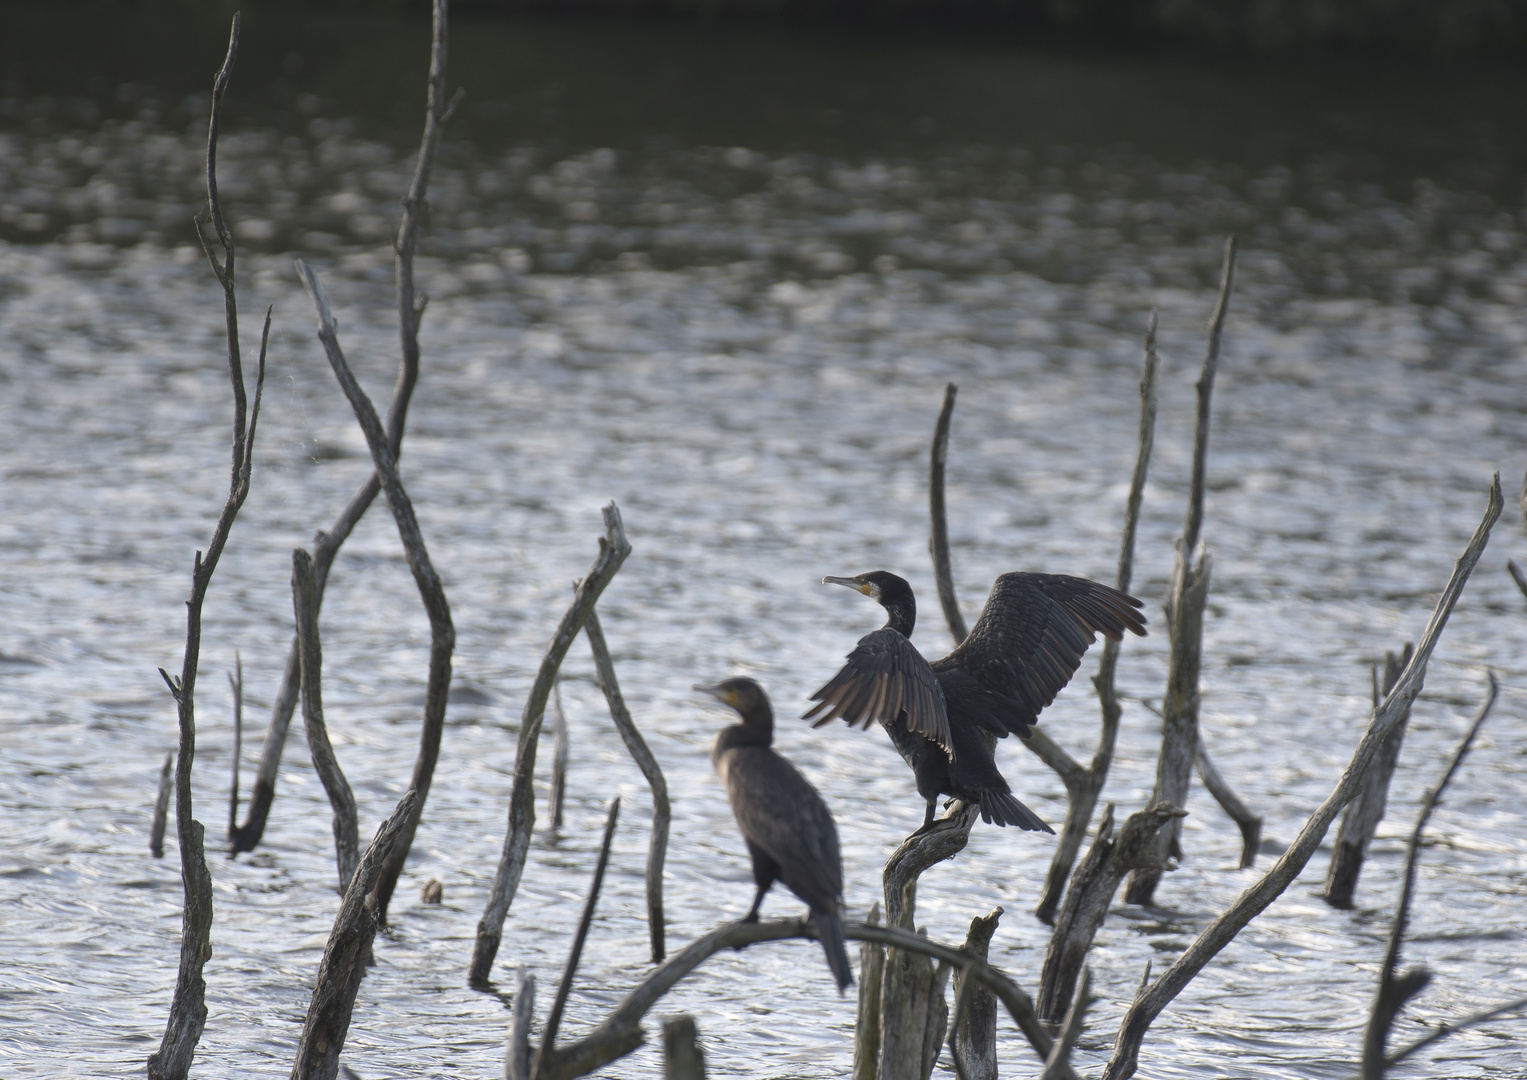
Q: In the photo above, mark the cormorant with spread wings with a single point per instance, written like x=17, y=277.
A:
x=941, y=716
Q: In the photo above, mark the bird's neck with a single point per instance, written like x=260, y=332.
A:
x=748, y=733
x=901, y=616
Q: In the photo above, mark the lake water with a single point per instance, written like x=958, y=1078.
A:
x=720, y=274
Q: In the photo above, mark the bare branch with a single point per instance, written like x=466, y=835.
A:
x=1250, y=823
x=945, y=839
x=682, y=1057
x=1394, y=992
x=517, y=1059
x=662, y=814
x=938, y=543
x=161, y=808
x=341, y=799
x=1070, y=1029
x=867, y=1027
x=1445, y=1030
x=613, y=549
x=236, y=684
x=1149, y=1004
x=973, y=1022
x=556, y=793
x=1195, y=522
x=1517, y=575
x=345, y=956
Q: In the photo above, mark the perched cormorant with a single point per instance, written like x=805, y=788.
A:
x=789, y=830
x=1024, y=648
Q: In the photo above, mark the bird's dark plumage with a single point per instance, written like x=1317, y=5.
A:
x=1024, y=648
x=789, y=831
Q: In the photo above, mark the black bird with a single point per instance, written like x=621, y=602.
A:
x=1024, y=648
x=789, y=830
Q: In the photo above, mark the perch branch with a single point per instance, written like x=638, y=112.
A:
x=662, y=814
x=1150, y=1003
x=188, y=1010
x=613, y=549
x=1394, y=991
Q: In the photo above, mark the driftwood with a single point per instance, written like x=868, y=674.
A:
x=326, y=544
x=341, y=798
x=1087, y=900
x=620, y=1032
x=1185, y=627
x=682, y=1057
x=973, y=1023
x=1395, y=990
x=188, y=1009
x=1083, y=792
x=1360, y=820
x=1150, y=1002
x=556, y=792
x=662, y=814
x=431, y=592
x=345, y=956
x=613, y=549
x=162, y=807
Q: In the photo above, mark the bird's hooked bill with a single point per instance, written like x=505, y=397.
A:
x=852, y=583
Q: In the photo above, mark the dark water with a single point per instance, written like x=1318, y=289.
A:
x=721, y=274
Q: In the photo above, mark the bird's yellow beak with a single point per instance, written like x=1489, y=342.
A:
x=725, y=696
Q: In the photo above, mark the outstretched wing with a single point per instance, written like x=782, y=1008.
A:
x=1031, y=635
x=885, y=679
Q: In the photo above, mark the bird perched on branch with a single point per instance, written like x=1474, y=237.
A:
x=789, y=830
x=943, y=716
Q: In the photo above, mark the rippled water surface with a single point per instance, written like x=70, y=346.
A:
x=721, y=276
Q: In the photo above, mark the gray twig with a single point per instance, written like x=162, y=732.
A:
x=554, y=1018
x=431, y=592
x=236, y=685
x=1517, y=575
x=613, y=549
x=556, y=793
x=161, y=808
x=1394, y=991
x=341, y=798
x=662, y=813
x=345, y=956
x=938, y=543
x=1083, y=794
x=1444, y=1030
x=326, y=545
x=188, y=1010
x=1251, y=903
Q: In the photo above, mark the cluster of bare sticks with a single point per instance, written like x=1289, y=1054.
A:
x=904, y=1019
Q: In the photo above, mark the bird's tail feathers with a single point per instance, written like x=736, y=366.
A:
x=1000, y=808
x=830, y=928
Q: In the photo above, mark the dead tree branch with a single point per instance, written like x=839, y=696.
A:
x=620, y=1032
x=662, y=813
x=682, y=1057
x=973, y=1023
x=326, y=545
x=867, y=1025
x=1444, y=1030
x=341, y=798
x=188, y=1010
x=1070, y=1029
x=1185, y=618
x=431, y=592
x=236, y=685
x=1360, y=820
x=1394, y=991
x=1251, y=903
x=554, y=1019
x=161, y=808
x=938, y=543
x=1083, y=794
x=613, y=549
x=345, y=956
x=556, y=793
x=517, y=1059
x=1246, y=820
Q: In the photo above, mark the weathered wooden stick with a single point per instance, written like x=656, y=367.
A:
x=1360, y=820
x=662, y=814
x=973, y=1023
x=944, y=840
x=1152, y=1000
x=1070, y=1029
x=620, y=1032
x=1517, y=575
x=1083, y=796
x=1087, y=900
x=345, y=956
x=188, y=1009
x=236, y=685
x=326, y=545
x=1185, y=617
x=1444, y=1030
x=867, y=1027
x=682, y=1057
x=161, y=808
x=1394, y=991
x=938, y=543
x=1249, y=823
x=341, y=798
x=556, y=793
x=431, y=592
x=517, y=1055
x=554, y=1018
x=613, y=549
